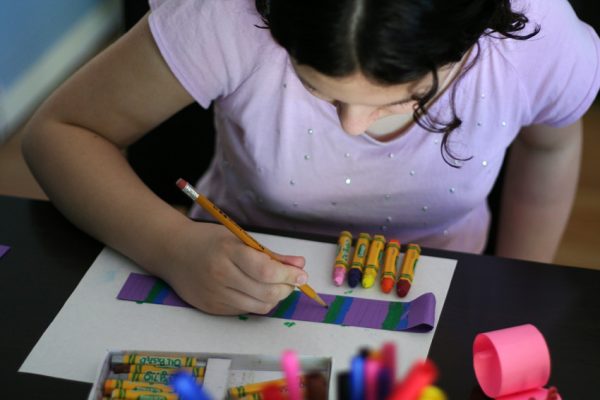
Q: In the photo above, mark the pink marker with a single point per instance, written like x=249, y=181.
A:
x=291, y=370
x=372, y=369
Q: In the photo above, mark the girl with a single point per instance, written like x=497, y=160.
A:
x=388, y=116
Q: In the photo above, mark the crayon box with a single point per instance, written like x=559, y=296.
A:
x=123, y=372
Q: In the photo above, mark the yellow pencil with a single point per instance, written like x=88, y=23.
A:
x=238, y=231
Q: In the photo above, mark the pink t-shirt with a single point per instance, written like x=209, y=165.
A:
x=283, y=161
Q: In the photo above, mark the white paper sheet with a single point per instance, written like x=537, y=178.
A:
x=93, y=321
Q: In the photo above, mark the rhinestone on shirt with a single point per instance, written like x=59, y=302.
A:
x=295, y=204
x=307, y=156
x=479, y=123
x=387, y=196
x=292, y=182
x=484, y=163
x=412, y=172
x=503, y=123
x=425, y=208
x=348, y=181
x=347, y=155
x=483, y=95
x=284, y=85
x=445, y=232
x=391, y=155
x=310, y=131
x=389, y=219
x=452, y=190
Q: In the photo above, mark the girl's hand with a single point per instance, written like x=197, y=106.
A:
x=216, y=272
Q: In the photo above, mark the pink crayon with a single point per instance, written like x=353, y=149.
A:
x=342, y=259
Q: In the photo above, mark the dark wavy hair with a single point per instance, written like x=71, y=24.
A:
x=391, y=41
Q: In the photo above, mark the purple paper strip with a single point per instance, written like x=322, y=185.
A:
x=3, y=250
x=417, y=315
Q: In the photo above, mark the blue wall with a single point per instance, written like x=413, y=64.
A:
x=29, y=27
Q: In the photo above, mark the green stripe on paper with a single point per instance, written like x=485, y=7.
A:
x=286, y=304
x=334, y=309
x=393, y=316
x=155, y=291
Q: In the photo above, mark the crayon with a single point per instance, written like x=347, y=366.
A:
x=342, y=258
x=112, y=384
x=374, y=257
x=407, y=272
x=291, y=369
x=241, y=234
x=161, y=377
x=156, y=360
x=141, y=395
x=390, y=265
x=139, y=368
x=358, y=260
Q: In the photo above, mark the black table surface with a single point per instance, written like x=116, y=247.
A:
x=49, y=256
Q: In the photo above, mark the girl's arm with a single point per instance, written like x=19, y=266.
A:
x=73, y=145
x=538, y=193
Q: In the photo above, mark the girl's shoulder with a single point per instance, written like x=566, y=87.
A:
x=558, y=69
x=211, y=46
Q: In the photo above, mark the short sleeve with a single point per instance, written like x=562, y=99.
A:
x=559, y=67
x=211, y=46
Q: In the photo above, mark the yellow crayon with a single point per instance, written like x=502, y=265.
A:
x=407, y=271
x=156, y=360
x=390, y=265
x=149, y=377
x=141, y=395
x=112, y=384
x=342, y=258
x=358, y=260
x=374, y=258
x=195, y=371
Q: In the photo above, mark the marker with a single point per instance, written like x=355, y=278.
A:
x=358, y=260
x=357, y=378
x=421, y=375
x=291, y=370
x=186, y=387
x=238, y=231
x=372, y=369
x=390, y=265
x=407, y=272
x=342, y=259
x=374, y=258
x=388, y=357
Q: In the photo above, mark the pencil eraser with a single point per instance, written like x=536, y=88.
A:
x=181, y=183
x=339, y=274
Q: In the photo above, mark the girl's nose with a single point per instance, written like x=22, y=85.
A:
x=356, y=119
